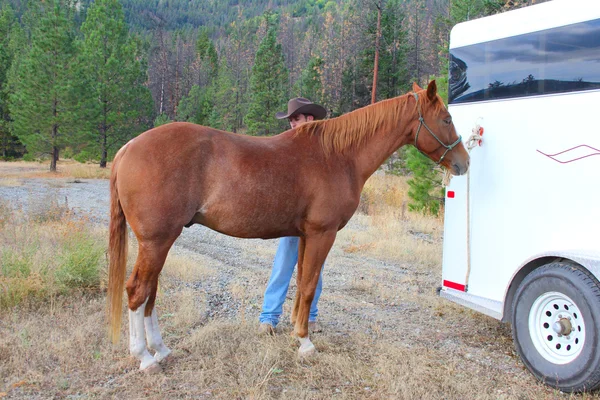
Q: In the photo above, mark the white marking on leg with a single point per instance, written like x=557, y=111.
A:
x=137, y=337
x=155, y=341
x=306, y=347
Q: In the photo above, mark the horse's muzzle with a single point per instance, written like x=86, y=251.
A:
x=460, y=168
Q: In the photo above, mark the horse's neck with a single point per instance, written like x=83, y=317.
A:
x=384, y=142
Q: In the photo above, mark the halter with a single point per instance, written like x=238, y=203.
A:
x=422, y=123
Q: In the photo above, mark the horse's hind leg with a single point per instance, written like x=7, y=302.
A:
x=141, y=290
x=154, y=338
x=137, y=339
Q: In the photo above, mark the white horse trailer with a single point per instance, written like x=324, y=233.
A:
x=522, y=229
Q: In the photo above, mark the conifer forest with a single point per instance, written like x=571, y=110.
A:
x=79, y=78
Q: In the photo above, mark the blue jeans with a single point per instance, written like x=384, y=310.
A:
x=286, y=259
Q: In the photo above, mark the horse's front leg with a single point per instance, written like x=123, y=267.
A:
x=301, y=247
x=315, y=252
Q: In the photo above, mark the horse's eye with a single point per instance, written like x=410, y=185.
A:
x=448, y=121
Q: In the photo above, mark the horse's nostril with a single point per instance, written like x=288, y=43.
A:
x=460, y=168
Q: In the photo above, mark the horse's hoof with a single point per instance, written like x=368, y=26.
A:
x=152, y=369
x=162, y=356
x=307, y=351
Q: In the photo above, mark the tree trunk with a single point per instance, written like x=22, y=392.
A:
x=417, y=43
x=376, y=68
x=104, y=156
x=104, y=139
x=54, y=159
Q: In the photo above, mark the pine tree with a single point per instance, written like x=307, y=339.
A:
x=464, y=10
x=268, y=84
x=239, y=60
x=113, y=91
x=424, y=183
x=223, y=114
x=310, y=84
x=42, y=104
x=197, y=106
x=393, y=74
x=10, y=36
x=208, y=54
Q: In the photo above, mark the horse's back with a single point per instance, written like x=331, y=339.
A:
x=180, y=172
x=240, y=185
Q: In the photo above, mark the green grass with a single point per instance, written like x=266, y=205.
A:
x=47, y=253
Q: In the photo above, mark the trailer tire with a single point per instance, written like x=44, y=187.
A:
x=556, y=326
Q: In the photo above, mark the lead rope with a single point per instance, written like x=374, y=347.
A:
x=473, y=141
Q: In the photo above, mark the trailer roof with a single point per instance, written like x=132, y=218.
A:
x=524, y=20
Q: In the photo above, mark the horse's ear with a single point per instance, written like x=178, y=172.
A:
x=416, y=87
x=432, y=91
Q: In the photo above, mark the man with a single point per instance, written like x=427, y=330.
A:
x=300, y=111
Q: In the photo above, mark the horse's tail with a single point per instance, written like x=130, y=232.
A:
x=117, y=251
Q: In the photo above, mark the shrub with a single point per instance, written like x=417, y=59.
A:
x=162, y=119
x=68, y=153
x=85, y=156
x=79, y=262
x=28, y=157
x=47, y=256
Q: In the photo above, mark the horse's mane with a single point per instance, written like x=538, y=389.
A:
x=353, y=130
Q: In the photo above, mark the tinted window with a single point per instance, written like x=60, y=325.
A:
x=557, y=60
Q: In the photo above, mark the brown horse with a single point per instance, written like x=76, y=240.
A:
x=305, y=182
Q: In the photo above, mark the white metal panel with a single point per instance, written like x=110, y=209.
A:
x=524, y=20
x=454, y=258
x=486, y=306
x=524, y=203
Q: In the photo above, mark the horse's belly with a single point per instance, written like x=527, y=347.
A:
x=258, y=225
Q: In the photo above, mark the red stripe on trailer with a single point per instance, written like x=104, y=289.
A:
x=454, y=285
x=450, y=194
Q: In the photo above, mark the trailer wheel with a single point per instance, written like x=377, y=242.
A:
x=556, y=326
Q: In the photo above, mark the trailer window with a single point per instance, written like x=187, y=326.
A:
x=558, y=60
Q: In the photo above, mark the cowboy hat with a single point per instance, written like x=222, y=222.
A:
x=300, y=105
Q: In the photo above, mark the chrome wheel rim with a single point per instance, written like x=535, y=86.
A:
x=557, y=328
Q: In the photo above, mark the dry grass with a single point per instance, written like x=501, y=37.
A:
x=188, y=268
x=11, y=171
x=11, y=182
x=77, y=170
x=225, y=360
x=392, y=231
x=387, y=335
